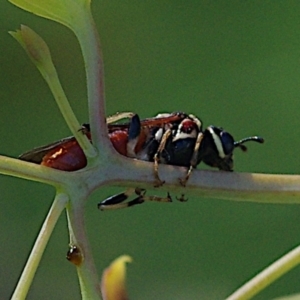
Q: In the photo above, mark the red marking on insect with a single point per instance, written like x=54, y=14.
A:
x=188, y=126
x=119, y=139
x=68, y=157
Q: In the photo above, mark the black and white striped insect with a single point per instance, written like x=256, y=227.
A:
x=182, y=142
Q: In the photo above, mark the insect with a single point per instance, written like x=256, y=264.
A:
x=183, y=143
x=173, y=138
x=128, y=139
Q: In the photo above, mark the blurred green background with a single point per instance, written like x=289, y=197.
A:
x=235, y=64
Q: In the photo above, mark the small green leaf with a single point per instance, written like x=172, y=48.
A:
x=34, y=45
x=66, y=12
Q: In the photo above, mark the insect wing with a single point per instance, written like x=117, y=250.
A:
x=163, y=119
x=36, y=155
x=157, y=121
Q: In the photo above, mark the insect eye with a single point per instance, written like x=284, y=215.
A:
x=227, y=142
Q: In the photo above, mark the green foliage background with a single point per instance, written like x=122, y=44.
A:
x=235, y=64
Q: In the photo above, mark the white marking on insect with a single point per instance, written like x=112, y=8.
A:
x=57, y=153
x=159, y=134
x=218, y=142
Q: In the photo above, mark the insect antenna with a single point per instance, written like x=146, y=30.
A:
x=247, y=139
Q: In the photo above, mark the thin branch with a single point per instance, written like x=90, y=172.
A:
x=25, y=281
x=92, y=55
x=88, y=278
x=21, y=169
x=125, y=172
x=267, y=276
x=263, y=188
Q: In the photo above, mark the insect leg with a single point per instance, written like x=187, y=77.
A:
x=119, y=116
x=194, y=160
x=117, y=201
x=142, y=193
x=158, y=181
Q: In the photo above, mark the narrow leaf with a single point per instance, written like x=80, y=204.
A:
x=62, y=11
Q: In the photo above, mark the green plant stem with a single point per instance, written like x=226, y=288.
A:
x=87, y=274
x=268, y=276
x=53, y=82
x=25, y=170
x=243, y=187
x=25, y=281
x=91, y=51
x=124, y=172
